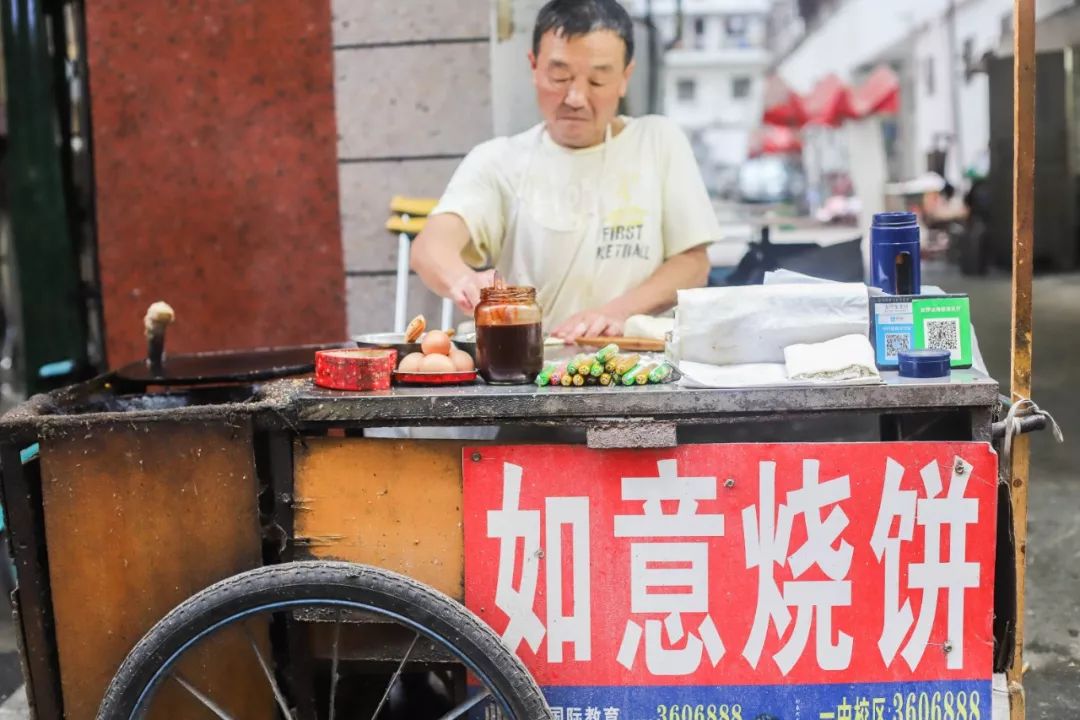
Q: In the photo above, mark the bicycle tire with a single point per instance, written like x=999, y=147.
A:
x=440, y=617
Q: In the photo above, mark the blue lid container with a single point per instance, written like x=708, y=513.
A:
x=924, y=363
x=894, y=253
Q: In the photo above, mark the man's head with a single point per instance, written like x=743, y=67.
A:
x=582, y=59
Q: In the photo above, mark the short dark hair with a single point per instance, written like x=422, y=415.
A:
x=572, y=18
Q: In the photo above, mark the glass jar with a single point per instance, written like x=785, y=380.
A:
x=509, y=339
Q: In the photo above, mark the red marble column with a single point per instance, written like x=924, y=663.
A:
x=214, y=147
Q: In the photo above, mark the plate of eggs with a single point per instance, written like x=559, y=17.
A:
x=437, y=363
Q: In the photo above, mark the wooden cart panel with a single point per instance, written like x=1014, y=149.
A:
x=139, y=517
x=389, y=503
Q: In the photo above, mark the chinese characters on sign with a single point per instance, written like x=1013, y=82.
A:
x=724, y=580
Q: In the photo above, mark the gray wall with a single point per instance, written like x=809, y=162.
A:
x=511, y=79
x=413, y=95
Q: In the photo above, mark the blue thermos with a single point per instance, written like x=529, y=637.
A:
x=894, y=253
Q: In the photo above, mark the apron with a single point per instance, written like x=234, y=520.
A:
x=533, y=229
x=529, y=233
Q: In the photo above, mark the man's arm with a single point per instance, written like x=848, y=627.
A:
x=657, y=294
x=436, y=258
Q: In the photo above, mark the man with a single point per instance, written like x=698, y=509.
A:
x=607, y=216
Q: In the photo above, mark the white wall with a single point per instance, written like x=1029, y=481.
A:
x=933, y=107
x=858, y=34
x=981, y=22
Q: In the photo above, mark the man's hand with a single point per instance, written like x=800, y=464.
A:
x=465, y=291
x=590, y=323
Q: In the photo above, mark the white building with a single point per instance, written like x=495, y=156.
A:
x=713, y=76
x=935, y=46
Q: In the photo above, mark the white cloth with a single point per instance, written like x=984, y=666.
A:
x=847, y=360
x=582, y=226
x=753, y=324
x=850, y=357
x=703, y=375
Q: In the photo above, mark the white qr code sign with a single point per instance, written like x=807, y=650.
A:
x=943, y=334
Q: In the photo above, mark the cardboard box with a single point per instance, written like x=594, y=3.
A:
x=918, y=322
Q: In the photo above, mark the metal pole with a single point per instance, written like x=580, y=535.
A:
x=1023, y=237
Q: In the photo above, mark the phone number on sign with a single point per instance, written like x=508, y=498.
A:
x=699, y=712
x=939, y=706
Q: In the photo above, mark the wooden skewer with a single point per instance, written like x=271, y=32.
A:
x=1023, y=235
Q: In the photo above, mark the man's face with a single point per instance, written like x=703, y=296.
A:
x=579, y=82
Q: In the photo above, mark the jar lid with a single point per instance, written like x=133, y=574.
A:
x=924, y=363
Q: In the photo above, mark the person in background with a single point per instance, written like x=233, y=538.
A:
x=606, y=215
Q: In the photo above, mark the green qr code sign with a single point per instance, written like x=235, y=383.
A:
x=944, y=324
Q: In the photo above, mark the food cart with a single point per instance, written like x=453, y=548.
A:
x=829, y=552
x=136, y=501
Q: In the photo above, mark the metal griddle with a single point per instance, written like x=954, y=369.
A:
x=225, y=367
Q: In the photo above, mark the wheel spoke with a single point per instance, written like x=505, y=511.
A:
x=334, y=666
x=269, y=673
x=210, y=704
x=467, y=705
x=393, y=679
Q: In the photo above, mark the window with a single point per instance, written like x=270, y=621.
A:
x=740, y=87
x=686, y=90
x=929, y=69
x=736, y=31
x=968, y=56
x=699, y=33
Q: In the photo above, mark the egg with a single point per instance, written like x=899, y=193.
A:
x=436, y=363
x=411, y=362
x=462, y=360
x=436, y=342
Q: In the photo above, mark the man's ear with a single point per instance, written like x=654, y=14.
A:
x=626, y=77
x=532, y=59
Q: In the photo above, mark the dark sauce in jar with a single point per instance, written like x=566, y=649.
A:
x=509, y=337
x=509, y=354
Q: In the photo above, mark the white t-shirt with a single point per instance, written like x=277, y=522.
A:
x=582, y=226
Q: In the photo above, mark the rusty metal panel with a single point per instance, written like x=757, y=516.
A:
x=139, y=517
x=389, y=503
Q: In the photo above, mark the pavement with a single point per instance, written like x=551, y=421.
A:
x=1052, y=616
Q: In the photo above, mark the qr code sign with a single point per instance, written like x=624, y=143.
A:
x=943, y=334
x=896, y=343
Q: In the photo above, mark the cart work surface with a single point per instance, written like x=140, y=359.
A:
x=739, y=581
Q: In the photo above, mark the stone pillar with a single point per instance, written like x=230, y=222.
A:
x=215, y=171
x=413, y=86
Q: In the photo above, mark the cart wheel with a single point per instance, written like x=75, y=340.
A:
x=201, y=652
x=8, y=580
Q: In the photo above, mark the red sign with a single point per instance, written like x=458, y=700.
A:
x=740, y=581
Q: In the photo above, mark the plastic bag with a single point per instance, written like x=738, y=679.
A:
x=753, y=324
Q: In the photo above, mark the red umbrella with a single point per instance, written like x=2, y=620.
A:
x=829, y=103
x=775, y=140
x=783, y=106
x=880, y=94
